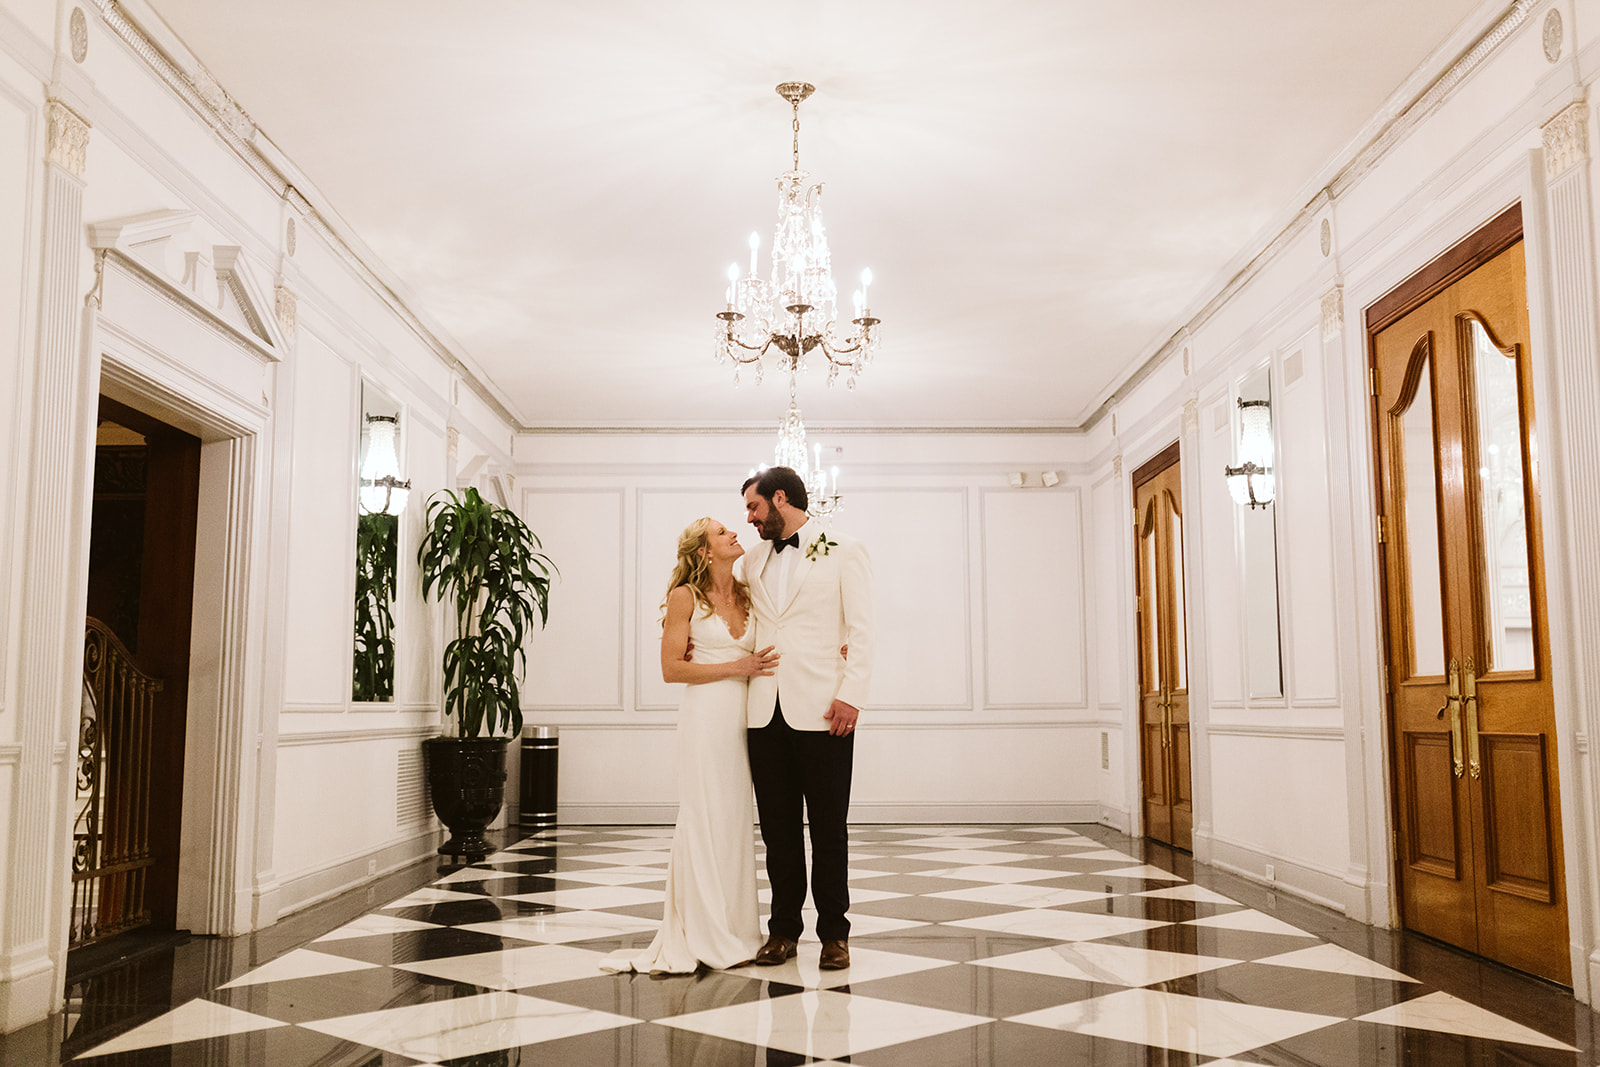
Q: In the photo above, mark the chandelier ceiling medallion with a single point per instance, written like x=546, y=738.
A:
x=795, y=311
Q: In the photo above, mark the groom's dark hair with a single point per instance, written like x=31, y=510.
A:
x=772, y=479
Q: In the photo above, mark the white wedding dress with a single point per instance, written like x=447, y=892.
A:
x=711, y=916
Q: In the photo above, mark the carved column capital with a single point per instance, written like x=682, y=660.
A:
x=452, y=441
x=1191, y=414
x=68, y=144
x=285, y=304
x=1566, y=140
x=1116, y=464
x=1333, y=313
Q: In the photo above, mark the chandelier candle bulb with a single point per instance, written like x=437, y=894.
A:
x=866, y=280
x=755, y=243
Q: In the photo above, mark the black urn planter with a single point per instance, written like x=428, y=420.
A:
x=467, y=776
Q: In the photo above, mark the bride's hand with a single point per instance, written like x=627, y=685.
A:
x=763, y=662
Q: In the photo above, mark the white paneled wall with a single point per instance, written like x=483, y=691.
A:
x=1033, y=600
x=918, y=541
x=321, y=529
x=1278, y=798
x=1218, y=554
x=578, y=663
x=1305, y=540
x=979, y=695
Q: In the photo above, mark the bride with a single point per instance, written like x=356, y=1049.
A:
x=710, y=916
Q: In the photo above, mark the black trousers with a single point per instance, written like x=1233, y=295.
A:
x=792, y=768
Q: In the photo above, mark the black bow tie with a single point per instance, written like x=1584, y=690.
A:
x=792, y=541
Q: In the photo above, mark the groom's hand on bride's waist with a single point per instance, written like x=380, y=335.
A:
x=841, y=719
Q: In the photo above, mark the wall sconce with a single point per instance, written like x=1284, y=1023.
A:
x=1252, y=483
x=381, y=489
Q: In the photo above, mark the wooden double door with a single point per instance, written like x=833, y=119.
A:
x=1165, y=783
x=1479, y=852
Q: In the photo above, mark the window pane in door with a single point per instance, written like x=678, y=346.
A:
x=1149, y=633
x=1179, y=636
x=1508, y=611
x=1419, y=486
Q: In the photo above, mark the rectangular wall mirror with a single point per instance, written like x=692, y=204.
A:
x=1259, y=544
x=377, y=553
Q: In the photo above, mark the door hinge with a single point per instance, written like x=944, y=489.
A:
x=1134, y=511
x=1383, y=529
x=1372, y=379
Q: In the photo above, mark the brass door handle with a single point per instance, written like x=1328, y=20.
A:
x=1452, y=704
x=1166, y=717
x=1470, y=680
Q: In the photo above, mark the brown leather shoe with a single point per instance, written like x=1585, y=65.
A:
x=835, y=956
x=777, y=950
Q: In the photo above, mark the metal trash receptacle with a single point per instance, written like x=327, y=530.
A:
x=540, y=755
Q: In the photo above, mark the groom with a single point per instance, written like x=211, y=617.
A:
x=811, y=589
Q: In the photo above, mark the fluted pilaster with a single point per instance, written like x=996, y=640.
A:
x=1570, y=221
x=50, y=664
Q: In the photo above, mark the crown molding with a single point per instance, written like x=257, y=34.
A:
x=189, y=80
x=1407, y=108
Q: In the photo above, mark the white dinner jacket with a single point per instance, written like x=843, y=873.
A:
x=828, y=604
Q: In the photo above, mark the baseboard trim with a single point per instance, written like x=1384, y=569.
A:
x=1302, y=880
x=860, y=813
x=29, y=991
x=1118, y=819
x=302, y=889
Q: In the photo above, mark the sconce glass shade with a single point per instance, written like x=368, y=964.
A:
x=381, y=489
x=1252, y=482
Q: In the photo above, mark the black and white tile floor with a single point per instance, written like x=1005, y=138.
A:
x=990, y=946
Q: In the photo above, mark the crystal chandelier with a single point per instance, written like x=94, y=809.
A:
x=795, y=311
x=1252, y=482
x=381, y=489
x=822, y=486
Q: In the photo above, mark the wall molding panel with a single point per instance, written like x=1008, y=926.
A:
x=1032, y=557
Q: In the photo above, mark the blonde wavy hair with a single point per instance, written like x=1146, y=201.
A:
x=693, y=568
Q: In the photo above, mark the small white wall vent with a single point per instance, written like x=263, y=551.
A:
x=1293, y=367
x=412, y=802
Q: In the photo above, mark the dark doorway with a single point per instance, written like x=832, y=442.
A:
x=141, y=590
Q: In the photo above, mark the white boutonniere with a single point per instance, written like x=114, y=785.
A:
x=820, y=547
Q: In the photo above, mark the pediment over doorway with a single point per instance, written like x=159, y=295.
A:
x=171, y=249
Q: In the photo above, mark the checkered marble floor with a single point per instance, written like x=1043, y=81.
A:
x=992, y=946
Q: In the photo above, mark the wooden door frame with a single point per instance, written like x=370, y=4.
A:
x=1437, y=275
x=1457, y=262
x=1158, y=462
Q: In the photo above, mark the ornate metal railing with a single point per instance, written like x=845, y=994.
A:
x=111, y=834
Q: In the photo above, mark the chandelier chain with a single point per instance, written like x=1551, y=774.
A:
x=796, y=127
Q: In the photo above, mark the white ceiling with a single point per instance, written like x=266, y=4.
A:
x=1041, y=188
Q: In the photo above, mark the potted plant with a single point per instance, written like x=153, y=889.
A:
x=486, y=564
